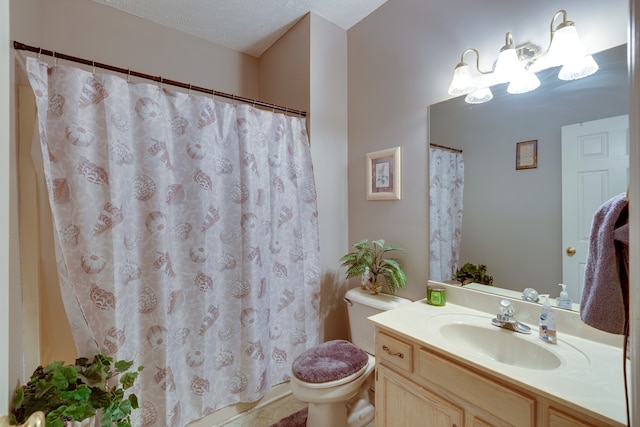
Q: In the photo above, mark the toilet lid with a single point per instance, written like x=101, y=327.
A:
x=329, y=361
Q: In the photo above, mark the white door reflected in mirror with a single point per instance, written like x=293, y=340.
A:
x=595, y=167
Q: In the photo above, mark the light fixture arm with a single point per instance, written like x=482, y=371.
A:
x=461, y=63
x=552, y=28
x=508, y=42
x=565, y=22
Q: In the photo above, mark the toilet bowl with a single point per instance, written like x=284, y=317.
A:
x=334, y=378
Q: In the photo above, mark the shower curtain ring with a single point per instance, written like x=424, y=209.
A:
x=55, y=59
x=39, y=53
x=129, y=75
x=189, y=93
x=93, y=66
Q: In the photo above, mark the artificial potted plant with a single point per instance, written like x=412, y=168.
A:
x=73, y=393
x=369, y=260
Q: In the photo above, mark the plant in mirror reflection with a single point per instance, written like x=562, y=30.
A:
x=471, y=273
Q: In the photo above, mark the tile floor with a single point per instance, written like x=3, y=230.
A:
x=271, y=413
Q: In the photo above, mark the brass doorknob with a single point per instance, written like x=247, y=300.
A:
x=571, y=251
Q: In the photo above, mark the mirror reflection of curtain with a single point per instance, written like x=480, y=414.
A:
x=446, y=183
x=187, y=237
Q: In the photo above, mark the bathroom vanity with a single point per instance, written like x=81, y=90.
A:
x=449, y=366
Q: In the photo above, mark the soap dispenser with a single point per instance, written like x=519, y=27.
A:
x=564, y=301
x=547, y=322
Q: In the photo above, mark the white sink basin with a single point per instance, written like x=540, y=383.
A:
x=502, y=345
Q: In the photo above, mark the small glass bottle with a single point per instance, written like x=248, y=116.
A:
x=436, y=295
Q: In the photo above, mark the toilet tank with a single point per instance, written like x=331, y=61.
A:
x=361, y=305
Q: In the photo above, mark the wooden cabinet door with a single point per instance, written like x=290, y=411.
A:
x=401, y=402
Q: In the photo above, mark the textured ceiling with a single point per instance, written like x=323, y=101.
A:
x=248, y=26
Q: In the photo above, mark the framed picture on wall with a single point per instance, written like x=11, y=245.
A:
x=527, y=155
x=384, y=175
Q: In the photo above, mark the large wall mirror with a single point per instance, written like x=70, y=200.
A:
x=512, y=218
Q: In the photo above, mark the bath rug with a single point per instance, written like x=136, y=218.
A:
x=297, y=419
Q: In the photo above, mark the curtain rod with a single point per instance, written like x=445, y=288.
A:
x=159, y=79
x=455, y=150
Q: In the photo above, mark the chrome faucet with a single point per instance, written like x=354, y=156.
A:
x=506, y=318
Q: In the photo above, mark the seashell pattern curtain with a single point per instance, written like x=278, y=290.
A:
x=446, y=184
x=187, y=236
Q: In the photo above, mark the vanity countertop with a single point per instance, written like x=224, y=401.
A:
x=590, y=377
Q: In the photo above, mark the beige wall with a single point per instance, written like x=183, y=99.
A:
x=328, y=77
x=311, y=60
x=284, y=68
x=10, y=307
x=104, y=34
x=401, y=60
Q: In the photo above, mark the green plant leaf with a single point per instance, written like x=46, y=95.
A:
x=18, y=398
x=77, y=411
x=99, y=398
x=123, y=365
x=393, y=248
x=128, y=379
x=50, y=367
x=52, y=420
x=379, y=243
x=361, y=243
x=95, y=376
x=134, y=401
x=82, y=361
x=82, y=393
x=356, y=270
x=63, y=376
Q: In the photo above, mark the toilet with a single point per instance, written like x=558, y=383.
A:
x=335, y=377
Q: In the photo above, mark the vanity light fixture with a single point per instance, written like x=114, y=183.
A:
x=464, y=83
x=508, y=63
x=479, y=96
x=565, y=50
x=510, y=69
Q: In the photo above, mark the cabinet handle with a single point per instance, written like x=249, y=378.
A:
x=392, y=353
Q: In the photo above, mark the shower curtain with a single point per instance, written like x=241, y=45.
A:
x=187, y=236
x=446, y=184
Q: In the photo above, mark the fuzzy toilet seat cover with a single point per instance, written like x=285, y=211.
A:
x=329, y=361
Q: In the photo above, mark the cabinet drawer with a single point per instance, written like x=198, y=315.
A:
x=504, y=403
x=557, y=418
x=395, y=352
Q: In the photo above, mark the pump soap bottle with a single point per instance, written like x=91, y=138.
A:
x=564, y=301
x=547, y=322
